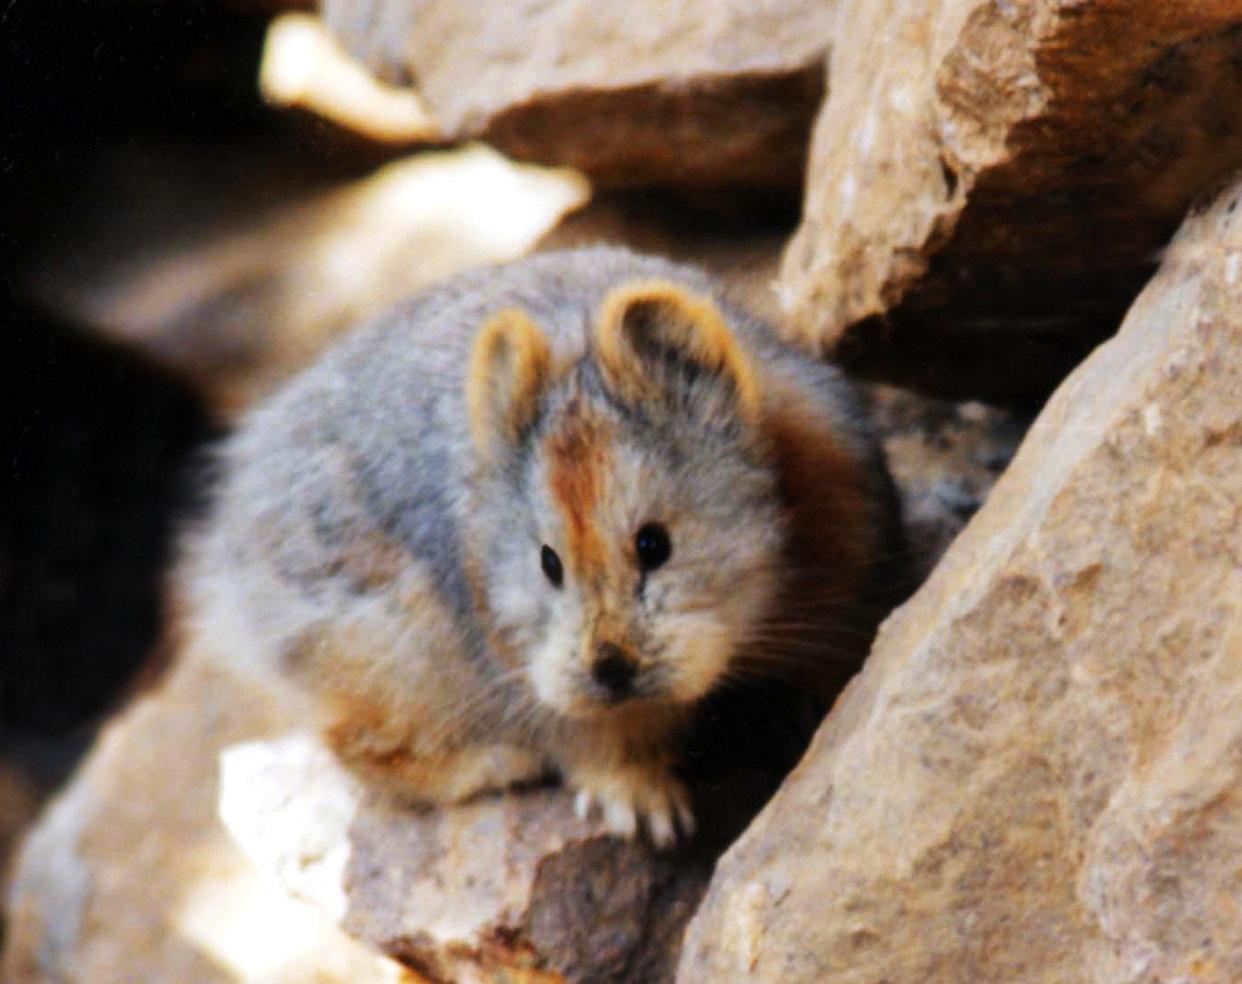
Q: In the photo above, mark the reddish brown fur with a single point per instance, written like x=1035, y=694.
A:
x=578, y=456
x=833, y=539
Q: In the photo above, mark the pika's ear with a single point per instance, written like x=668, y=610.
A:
x=509, y=370
x=655, y=335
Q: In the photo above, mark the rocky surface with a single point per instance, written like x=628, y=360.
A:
x=717, y=92
x=304, y=68
x=1035, y=777
x=990, y=183
x=235, y=283
x=514, y=885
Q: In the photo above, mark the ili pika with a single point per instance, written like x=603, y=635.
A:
x=531, y=518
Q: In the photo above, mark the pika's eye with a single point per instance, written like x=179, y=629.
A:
x=653, y=546
x=551, y=564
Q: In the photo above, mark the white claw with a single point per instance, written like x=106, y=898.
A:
x=621, y=818
x=685, y=819
x=654, y=803
x=660, y=827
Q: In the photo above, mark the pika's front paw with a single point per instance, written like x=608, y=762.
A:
x=631, y=800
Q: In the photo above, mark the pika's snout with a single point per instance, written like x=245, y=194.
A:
x=613, y=672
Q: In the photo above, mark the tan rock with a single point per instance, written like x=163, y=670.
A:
x=990, y=183
x=505, y=887
x=235, y=296
x=705, y=92
x=129, y=878
x=1035, y=777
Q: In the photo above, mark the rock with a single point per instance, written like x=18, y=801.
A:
x=710, y=92
x=509, y=885
x=129, y=877
x=234, y=296
x=1034, y=779
x=305, y=68
x=990, y=183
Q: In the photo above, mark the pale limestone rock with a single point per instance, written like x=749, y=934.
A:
x=1034, y=779
x=304, y=67
x=716, y=92
x=990, y=182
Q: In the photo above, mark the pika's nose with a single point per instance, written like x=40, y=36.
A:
x=613, y=670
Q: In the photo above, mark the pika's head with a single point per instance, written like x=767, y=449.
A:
x=629, y=524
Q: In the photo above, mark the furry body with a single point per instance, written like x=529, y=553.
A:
x=377, y=537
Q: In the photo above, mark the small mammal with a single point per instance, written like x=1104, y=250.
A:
x=530, y=518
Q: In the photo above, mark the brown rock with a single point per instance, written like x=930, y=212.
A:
x=1035, y=777
x=708, y=92
x=990, y=183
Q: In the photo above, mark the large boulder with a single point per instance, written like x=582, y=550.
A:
x=990, y=183
x=715, y=92
x=1035, y=777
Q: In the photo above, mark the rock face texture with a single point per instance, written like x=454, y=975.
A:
x=501, y=888
x=990, y=183
x=718, y=92
x=1035, y=778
